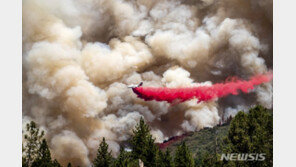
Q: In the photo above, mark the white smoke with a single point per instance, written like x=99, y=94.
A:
x=231, y=112
x=80, y=55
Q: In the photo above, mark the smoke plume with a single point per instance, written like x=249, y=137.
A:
x=80, y=55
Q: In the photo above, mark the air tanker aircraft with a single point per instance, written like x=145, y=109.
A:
x=202, y=93
x=135, y=90
x=135, y=86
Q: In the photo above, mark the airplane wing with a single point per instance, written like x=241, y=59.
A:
x=135, y=86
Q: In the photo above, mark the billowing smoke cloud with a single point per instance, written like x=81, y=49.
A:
x=201, y=93
x=80, y=55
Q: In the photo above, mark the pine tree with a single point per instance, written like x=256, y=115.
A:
x=43, y=156
x=123, y=158
x=238, y=134
x=104, y=157
x=143, y=146
x=32, y=141
x=168, y=160
x=183, y=157
x=24, y=157
x=55, y=163
x=164, y=159
x=211, y=160
x=252, y=133
x=36, y=152
x=159, y=159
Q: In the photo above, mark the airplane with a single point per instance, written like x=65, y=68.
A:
x=135, y=86
x=135, y=90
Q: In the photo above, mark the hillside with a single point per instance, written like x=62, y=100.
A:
x=202, y=141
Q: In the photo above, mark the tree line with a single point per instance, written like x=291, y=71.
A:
x=248, y=133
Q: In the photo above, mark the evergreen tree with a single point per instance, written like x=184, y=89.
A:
x=123, y=158
x=35, y=149
x=211, y=160
x=238, y=134
x=183, y=157
x=143, y=146
x=104, y=157
x=165, y=159
x=55, y=163
x=252, y=133
x=24, y=157
x=31, y=144
x=43, y=156
x=133, y=163
x=159, y=159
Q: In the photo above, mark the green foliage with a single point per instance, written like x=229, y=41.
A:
x=143, y=146
x=183, y=157
x=43, y=157
x=164, y=159
x=208, y=140
x=133, y=163
x=168, y=160
x=208, y=160
x=104, y=157
x=238, y=134
x=31, y=144
x=55, y=163
x=35, y=149
x=251, y=133
x=247, y=133
x=123, y=158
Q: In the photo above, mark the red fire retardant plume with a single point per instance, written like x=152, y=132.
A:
x=202, y=93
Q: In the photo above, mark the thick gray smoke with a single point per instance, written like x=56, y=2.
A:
x=80, y=55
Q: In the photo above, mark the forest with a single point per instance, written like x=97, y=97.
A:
x=247, y=132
